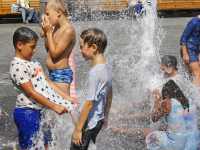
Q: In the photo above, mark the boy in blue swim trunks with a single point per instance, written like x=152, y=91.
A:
x=98, y=97
x=190, y=42
x=58, y=43
x=24, y=68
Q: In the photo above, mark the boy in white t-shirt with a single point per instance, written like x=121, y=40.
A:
x=98, y=96
x=23, y=69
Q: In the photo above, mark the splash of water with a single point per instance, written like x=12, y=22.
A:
x=133, y=51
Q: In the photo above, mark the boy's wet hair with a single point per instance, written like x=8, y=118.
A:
x=58, y=4
x=95, y=36
x=173, y=90
x=169, y=61
x=24, y=35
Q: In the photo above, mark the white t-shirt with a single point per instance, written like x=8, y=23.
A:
x=99, y=81
x=22, y=71
x=24, y=3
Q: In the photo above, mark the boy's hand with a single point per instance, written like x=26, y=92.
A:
x=186, y=59
x=77, y=137
x=60, y=109
x=43, y=16
x=73, y=100
x=46, y=24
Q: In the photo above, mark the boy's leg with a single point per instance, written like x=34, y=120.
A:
x=192, y=52
x=196, y=71
x=27, y=121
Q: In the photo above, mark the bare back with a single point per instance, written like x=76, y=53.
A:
x=64, y=39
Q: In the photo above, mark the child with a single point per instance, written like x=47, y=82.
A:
x=181, y=115
x=95, y=108
x=58, y=43
x=170, y=70
x=23, y=69
x=190, y=42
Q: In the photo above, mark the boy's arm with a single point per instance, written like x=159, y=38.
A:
x=43, y=35
x=56, y=50
x=185, y=54
x=42, y=32
x=77, y=135
x=107, y=108
x=28, y=87
x=60, y=92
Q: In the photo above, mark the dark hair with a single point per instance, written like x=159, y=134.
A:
x=169, y=61
x=173, y=90
x=24, y=35
x=95, y=36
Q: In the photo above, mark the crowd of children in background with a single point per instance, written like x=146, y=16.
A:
x=27, y=75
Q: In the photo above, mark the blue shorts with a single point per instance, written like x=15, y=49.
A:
x=61, y=75
x=28, y=124
x=193, y=52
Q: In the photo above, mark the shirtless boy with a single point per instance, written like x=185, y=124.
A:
x=58, y=43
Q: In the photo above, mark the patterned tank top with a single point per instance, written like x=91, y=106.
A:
x=180, y=121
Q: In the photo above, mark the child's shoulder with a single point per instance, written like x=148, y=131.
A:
x=69, y=30
x=16, y=61
x=100, y=68
x=19, y=62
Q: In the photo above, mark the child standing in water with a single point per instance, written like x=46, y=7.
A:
x=181, y=114
x=98, y=97
x=190, y=42
x=23, y=69
x=58, y=43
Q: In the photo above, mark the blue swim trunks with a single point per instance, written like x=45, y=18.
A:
x=61, y=75
x=27, y=121
x=193, y=52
